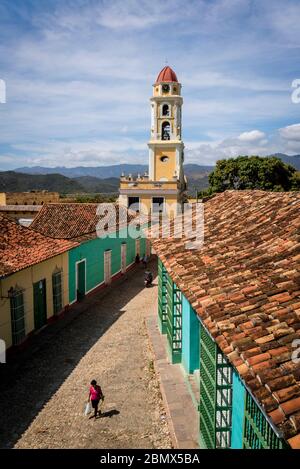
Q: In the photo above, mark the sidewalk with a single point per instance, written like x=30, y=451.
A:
x=183, y=418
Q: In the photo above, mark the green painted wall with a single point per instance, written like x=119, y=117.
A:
x=93, y=252
x=190, y=337
x=238, y=411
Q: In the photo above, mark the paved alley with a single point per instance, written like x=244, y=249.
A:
x=42, y=401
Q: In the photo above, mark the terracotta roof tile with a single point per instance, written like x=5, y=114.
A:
x=247, y=275
x=294, y=442
x=277, y=416
x=286, y=394
x=80, y=221
x=292, y=406
x=295, y=420
x=21, y=247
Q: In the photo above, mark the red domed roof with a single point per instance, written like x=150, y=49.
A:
x=166, y=74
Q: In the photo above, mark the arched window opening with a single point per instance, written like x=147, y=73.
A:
x=166, y=131
x=166, y=110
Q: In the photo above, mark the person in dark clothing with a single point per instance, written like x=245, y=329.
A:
x=148, y=278
x=137, y=258
x=95, y=395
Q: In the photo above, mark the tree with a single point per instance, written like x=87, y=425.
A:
x=253, y=172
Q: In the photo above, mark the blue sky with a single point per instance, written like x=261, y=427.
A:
x=79, y=75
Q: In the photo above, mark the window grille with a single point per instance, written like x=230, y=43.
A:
x=174, y=320
x=17, y=316
x=258, y=433
x=57, y=291
x=162, y=296
x=215, y=395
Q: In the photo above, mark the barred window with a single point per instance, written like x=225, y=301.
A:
x=57, y=291
x=17, y=316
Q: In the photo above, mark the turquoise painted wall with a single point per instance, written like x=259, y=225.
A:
x=143, y=246
x=93, y=252
x=238, y=409
x=190, y=337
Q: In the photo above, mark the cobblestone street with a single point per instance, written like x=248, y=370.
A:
x=42, y=401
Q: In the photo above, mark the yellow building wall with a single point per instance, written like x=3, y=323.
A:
x=147, y=185
x=166, y=169
x=170, y=204
x=25, y=279
x=176, y=90
x=2, y=198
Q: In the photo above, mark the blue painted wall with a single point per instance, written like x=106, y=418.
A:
x=190, y=337
x=93, y=252
x=238, y=409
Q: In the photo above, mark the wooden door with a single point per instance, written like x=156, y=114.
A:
x=107, y=267
x=148, y=248
x=123, y=257
x=81, y=283
x=40, y=304
x=138, y=247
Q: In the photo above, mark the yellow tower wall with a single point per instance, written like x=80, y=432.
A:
x=165, y=170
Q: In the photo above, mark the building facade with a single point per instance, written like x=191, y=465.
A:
x=33, y=281
x=28, y=198
x=97, y=262
x=162, y=189
x=231, y=314
x=99, y=257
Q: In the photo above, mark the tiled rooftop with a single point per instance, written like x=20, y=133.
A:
x=21, y=247
x=244, y=283
x=78, y=220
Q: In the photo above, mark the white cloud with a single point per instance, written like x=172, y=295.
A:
x=252, y=136
x=291, y=132
x=254, y=142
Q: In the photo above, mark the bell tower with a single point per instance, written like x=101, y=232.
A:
x=162, y=188
x=165, y=145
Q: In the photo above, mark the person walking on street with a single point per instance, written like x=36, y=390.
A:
x=95, y=395
x=145, y=261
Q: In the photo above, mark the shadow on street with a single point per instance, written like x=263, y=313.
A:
x=29, y=381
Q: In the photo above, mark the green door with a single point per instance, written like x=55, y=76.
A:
x=80, y=280
x=40, y=304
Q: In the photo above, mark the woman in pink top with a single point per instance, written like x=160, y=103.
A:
x=95, y=395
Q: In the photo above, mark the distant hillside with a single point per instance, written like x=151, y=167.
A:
x=105, y=172
x=11, y=181
x=101, y=172
x=94, y=184
x=194, y=171
x=105, y=179
x=292, y=160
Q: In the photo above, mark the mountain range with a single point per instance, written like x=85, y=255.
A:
x=11, y=181
x=101, y=179
x=115, y=171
